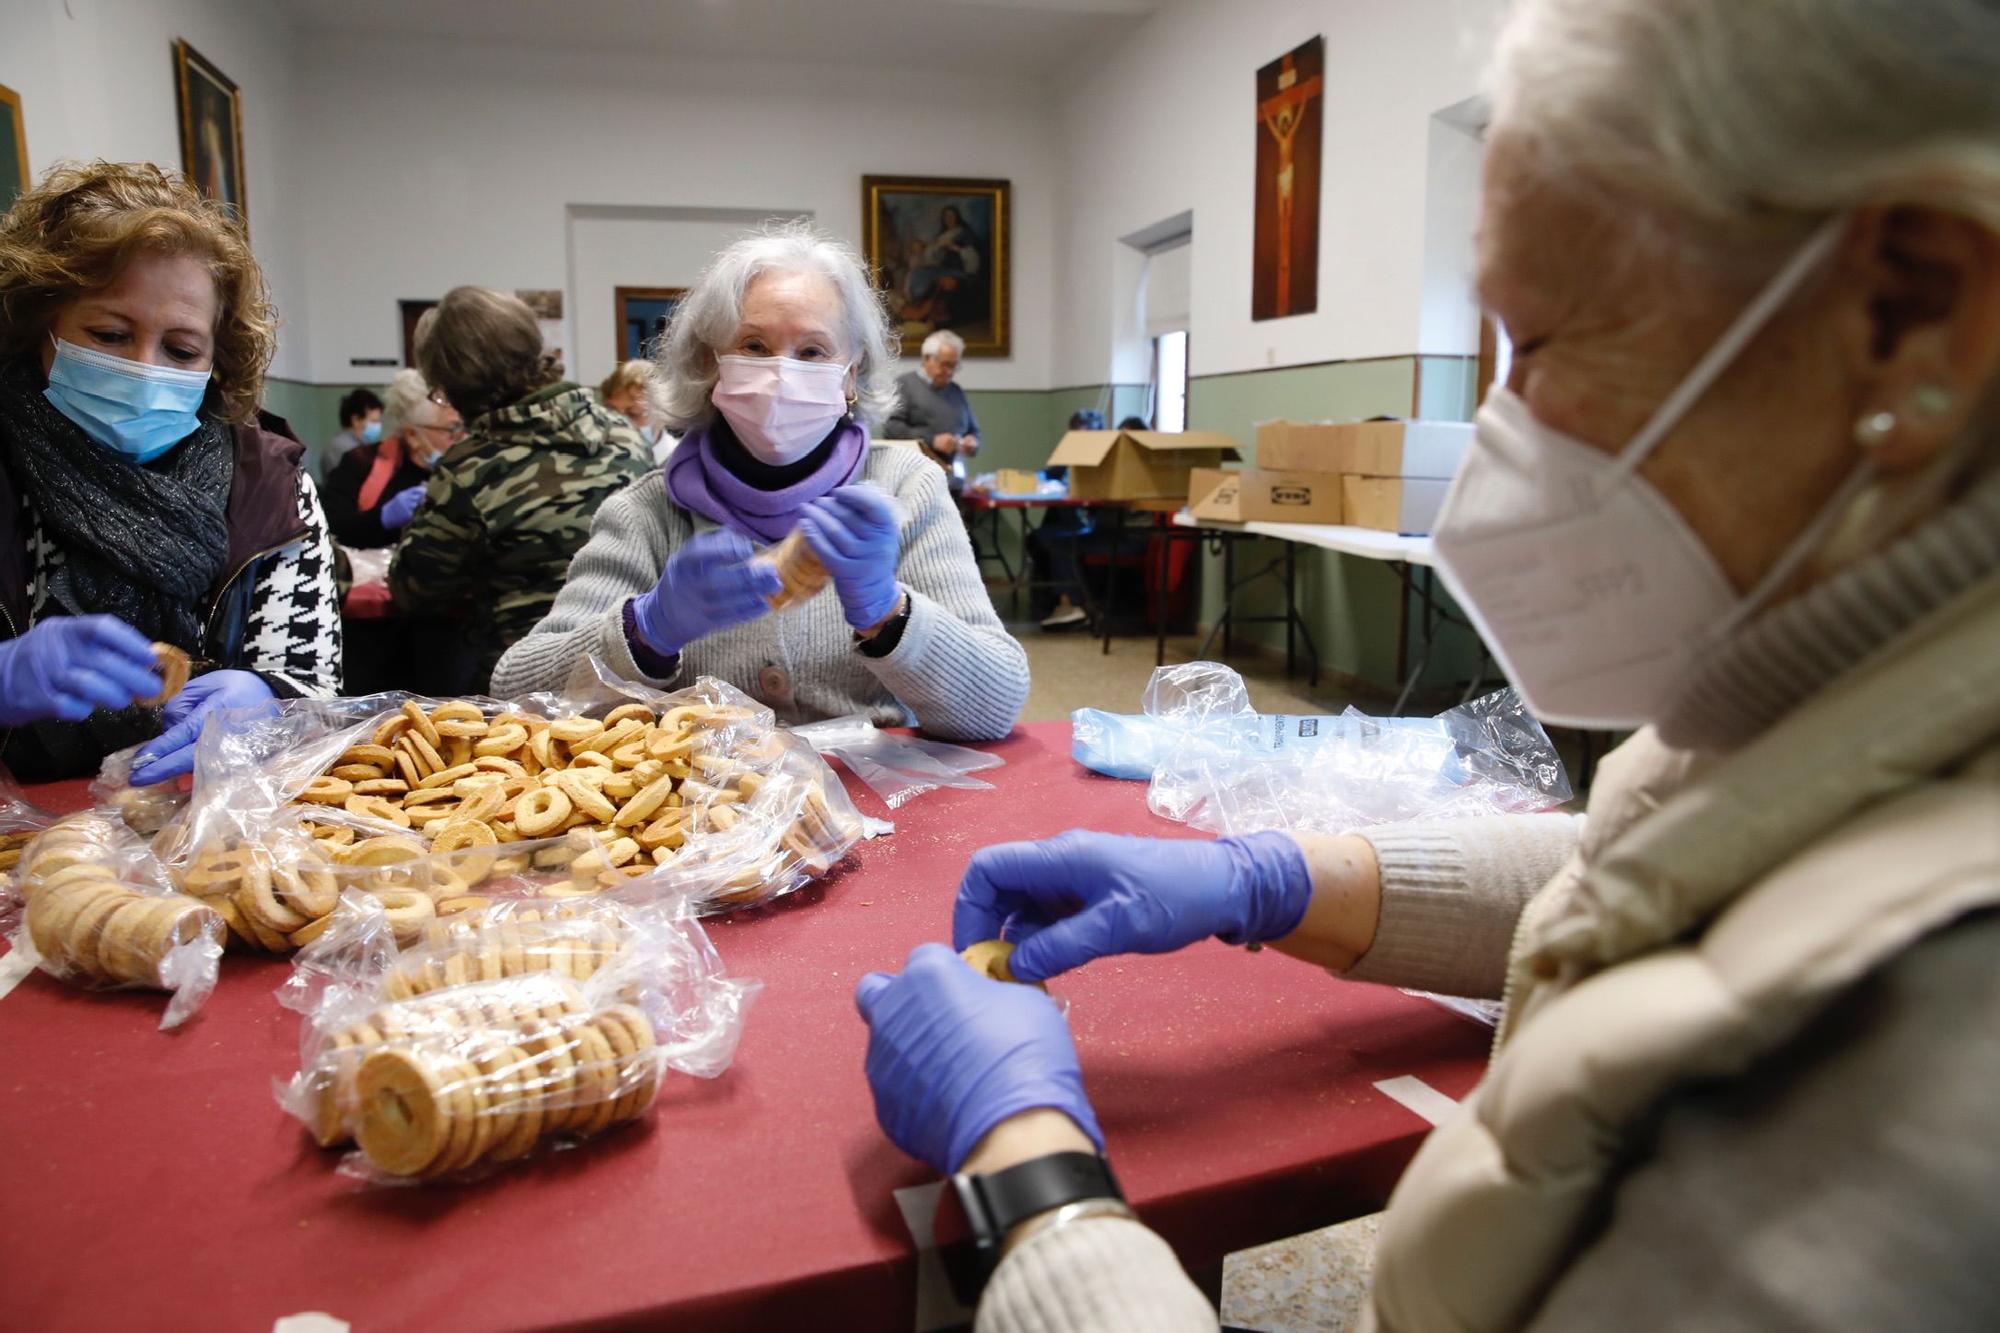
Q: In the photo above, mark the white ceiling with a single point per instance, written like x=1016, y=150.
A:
x=997, y=38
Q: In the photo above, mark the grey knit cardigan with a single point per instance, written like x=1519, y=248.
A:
x=957, y=673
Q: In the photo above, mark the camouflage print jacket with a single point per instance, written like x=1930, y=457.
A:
x=505, y=510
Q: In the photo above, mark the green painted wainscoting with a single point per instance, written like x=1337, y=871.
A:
x=1349, y=604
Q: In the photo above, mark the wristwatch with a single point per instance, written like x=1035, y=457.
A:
x=994, y=1204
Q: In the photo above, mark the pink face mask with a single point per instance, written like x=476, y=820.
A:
x=780, y=408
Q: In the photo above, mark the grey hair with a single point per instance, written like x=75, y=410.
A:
x=1738, y=123
x=407, y=393
x=939, y=339
x=705, y=322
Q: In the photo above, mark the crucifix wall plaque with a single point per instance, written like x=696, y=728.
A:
x=1290, y=101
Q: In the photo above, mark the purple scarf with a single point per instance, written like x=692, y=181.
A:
x=697, y=480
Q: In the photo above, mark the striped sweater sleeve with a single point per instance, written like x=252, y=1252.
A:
x=1452, y=890
x=1104, y=1275
x=957, y=668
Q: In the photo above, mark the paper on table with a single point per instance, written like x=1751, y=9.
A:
x=936, y=1307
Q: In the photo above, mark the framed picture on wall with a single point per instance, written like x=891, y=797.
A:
x=211, y=115
x=1284, y=278
x=13, y=148
x=643, y=313
x=939, y=247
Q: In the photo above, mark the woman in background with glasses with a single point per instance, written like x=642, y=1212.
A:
x=375, y=488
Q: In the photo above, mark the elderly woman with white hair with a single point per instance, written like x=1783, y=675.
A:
x=775, y=361
x=933, y=410
x=373, y=491
x=1740, y=490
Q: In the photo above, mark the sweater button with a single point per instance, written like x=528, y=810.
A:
x=774, y=682
x=1543, y=967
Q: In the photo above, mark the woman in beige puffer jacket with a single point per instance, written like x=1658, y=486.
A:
x=1744, y=1075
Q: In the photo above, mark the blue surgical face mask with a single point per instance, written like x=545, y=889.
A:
x=131, y=408
x=372, y=432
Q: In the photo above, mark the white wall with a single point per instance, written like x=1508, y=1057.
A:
x=1167, y=124
x=609, y=249
x=96, y=81
x=438, y=164
x=1449, y=324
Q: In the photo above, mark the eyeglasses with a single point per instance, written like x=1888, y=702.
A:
x=437, y=397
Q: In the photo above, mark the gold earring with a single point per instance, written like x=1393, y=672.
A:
x=1873, y=429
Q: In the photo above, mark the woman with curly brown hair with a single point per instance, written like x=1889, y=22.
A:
x=143, y=496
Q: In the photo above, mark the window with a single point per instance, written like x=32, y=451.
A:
x=1170, y=380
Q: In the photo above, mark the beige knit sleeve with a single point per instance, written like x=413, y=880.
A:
x=1451, y=892
x=1097, y=1276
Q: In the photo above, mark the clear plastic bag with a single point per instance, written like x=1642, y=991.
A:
x=145, y=810
x=1229, y=769
x=897, y=768
x=20, y=820
x=697, y=793
x=507, y=1030
x=99, y=914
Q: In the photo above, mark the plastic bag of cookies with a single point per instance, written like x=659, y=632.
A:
x=98, y=914
x=463, y=802
x=145, y=810
x=20, y=821
x=502, y=1032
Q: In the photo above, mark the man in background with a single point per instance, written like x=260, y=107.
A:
x=932, y=410
x=360, y=423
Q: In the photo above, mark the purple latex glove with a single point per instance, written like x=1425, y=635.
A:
x=171, y=753
x=1087, y=895
x=68, y=667
x=951, y=1054
x=709, y=584
x=397, y=509
x=856, y=534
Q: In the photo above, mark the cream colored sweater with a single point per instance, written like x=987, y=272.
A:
x=1844, y=1186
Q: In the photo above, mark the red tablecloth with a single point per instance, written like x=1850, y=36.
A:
x=150, y=1179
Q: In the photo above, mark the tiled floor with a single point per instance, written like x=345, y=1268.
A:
x=1068, y=671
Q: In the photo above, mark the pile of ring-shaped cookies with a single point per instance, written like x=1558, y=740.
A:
x=602, y=800
x=90, y=925
x=11, y=847
x=479, y=1073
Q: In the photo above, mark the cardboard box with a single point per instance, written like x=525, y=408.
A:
x=1138, y=464
x=1408, y=505
x=1013, y=481
x=1364, y=448
x=1251, y=495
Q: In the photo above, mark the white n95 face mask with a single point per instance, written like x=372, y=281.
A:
x=779, y=407
x=1587, y=585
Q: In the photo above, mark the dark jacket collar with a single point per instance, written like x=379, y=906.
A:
x=263, y=512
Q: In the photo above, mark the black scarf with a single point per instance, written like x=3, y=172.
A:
x=144, y=542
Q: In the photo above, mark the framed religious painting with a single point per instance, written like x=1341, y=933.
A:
x=13, y=149
x=1284, y=275
x=643, y=313
x=211, y=115
x=939, y=248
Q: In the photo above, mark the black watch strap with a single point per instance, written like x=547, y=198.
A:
x=989, y=1206
x=995, y=1204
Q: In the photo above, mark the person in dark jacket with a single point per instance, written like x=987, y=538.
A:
x=372, y=493
x=144, y=498
x=510, y=503
x=360, y=423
